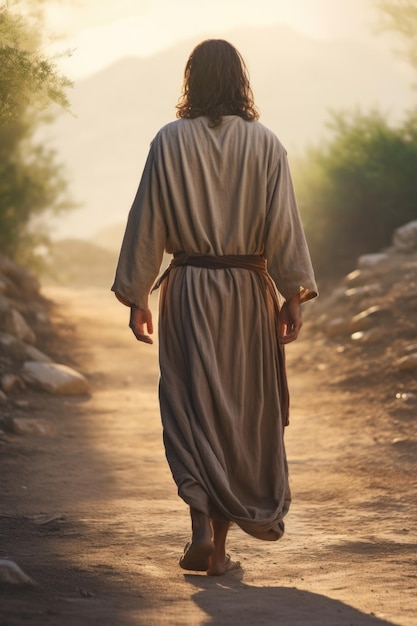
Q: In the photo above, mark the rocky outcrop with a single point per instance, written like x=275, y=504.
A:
x=12, y=574
x=405, y=237
x=54, y=378
x=23, y=316
x=370, y=319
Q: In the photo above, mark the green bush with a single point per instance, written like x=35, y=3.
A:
x=355, y=190
x=31, y=181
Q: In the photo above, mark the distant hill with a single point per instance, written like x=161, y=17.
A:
x=110, y=237
x=296, y=81
x=79, y=263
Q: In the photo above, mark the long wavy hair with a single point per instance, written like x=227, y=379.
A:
x=216, y=83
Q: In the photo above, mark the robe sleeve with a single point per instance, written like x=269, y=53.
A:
x=144, y=241
x=286, y=249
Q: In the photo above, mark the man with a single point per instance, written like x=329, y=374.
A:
x=216, y=192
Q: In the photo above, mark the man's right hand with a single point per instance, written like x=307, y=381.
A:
x=138, y=319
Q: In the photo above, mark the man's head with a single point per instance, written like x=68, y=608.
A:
x=216, y=83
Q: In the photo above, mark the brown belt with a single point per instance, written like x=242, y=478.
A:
x=252, y=262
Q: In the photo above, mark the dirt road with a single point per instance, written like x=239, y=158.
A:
x=109, y=556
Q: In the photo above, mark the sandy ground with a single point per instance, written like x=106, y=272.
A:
x=110, y=556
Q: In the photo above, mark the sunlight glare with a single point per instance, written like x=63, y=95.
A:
x=101, y=33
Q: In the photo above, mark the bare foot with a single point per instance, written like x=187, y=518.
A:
x=219, y=569
x=196, y=556
x=201, y=547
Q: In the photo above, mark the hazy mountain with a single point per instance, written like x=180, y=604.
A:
x=296, y=81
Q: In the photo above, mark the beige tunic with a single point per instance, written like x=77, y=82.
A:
x=224, y=190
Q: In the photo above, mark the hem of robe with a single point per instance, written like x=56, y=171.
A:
x=269, y=529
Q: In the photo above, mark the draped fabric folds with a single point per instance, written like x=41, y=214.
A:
x=223, y=398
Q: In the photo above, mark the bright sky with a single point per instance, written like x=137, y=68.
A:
x=101, y=31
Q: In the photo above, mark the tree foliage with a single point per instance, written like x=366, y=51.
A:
x=27, y=77
x=31, y=181
x=400, y=16
x=361, y=185
x=357, y=189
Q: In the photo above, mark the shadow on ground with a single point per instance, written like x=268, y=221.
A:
x=269, y=606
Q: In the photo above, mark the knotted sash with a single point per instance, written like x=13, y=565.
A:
x=255, y=263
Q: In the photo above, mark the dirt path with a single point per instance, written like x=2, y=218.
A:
x=349, y=556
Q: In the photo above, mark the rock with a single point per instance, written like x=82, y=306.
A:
x=4, y=305
x=357, y=293
x=405, y=397
x=15, y=324
x=405, y=444
x=401, y=441
x=7, y=287
x=405, y=237
x=11, y=382
x=337, y=326
x=352, y=277
x=6, y=339
x=366, y=319
x=42, y=317
x=3, y=397
x=41, y=519
x=33, y=354
x=55, y=378
x=21, y=404
x=372, y=260
x=337, y=294
x=30, y=426
x=20, y=351
x=12, y=574
x=21, y=278
x=408, y=363
x=357, y=278
x=373, y=335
